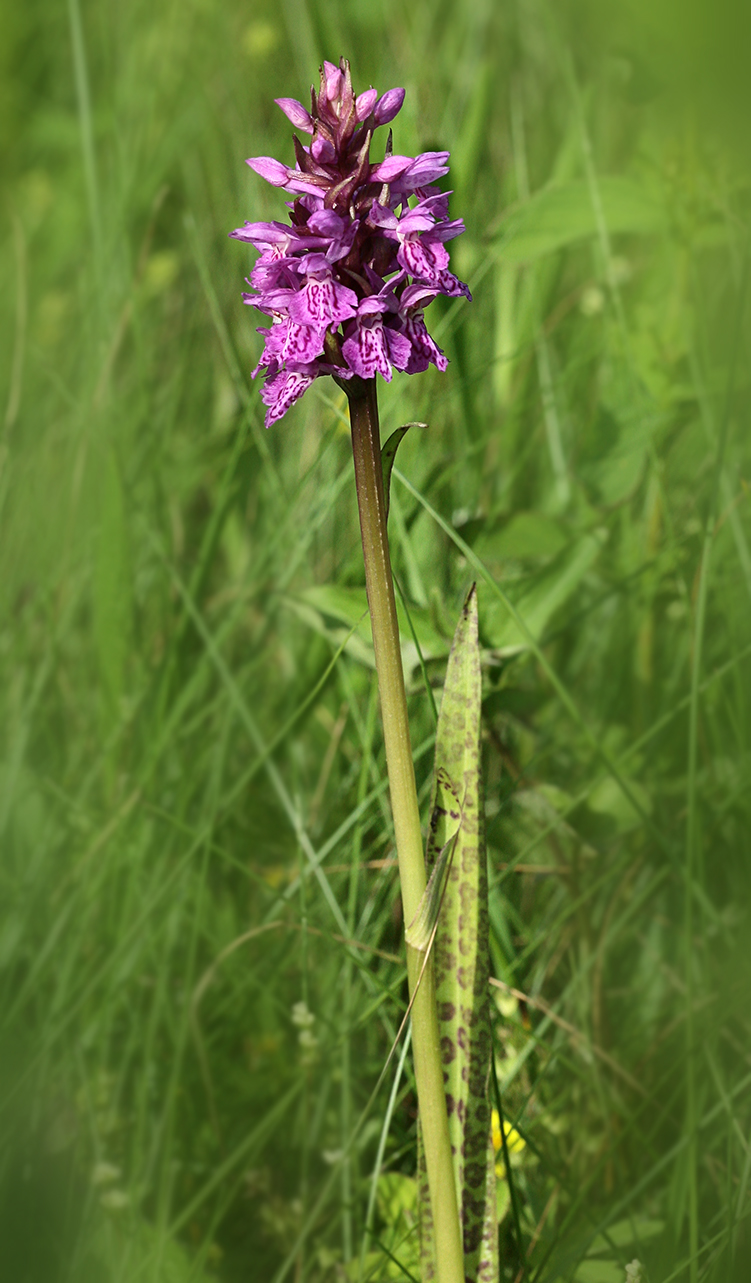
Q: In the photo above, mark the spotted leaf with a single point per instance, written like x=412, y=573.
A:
x=462, y=960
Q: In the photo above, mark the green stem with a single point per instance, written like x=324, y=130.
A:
x=366, y=448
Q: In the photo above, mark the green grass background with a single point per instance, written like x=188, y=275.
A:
x=192, y=799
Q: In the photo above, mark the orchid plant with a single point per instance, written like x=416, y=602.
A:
x=345, y=283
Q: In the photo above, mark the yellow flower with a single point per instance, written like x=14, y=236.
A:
x=514, y=1142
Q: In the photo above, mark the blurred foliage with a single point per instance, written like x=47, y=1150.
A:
x=200, y=926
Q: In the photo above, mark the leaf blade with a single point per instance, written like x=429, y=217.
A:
x=388, y=455
x=462, y=958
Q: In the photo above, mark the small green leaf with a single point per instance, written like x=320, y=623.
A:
x=625, y=1232
x=598, y=1272
x=348, y=605
x=332, y=611
x=388, y=455
x=538, y=597
x=396, y=1197
x=338, y=614
x=607, y=799
x=525, y=535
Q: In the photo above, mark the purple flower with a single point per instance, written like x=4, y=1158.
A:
x=372, y=344
x=420, y=238
x=288, y=341
x=322, y=300
x=283, y=388
x=347, y=280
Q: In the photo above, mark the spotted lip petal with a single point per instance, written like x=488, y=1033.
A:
x=424, y=349
x=346, y=281
x=323, y=302
x=281, y=391
x=365, y=350
x=423, y=261
x=290, y=342
x=301, y=343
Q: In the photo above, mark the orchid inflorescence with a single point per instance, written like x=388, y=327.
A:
x=347, y=280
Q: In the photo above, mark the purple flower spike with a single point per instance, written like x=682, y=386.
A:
x=347, y=280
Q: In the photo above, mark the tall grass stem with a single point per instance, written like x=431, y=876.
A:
x=86, y=126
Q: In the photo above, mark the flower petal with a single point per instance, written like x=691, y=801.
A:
x=383, y=217
x=388, y=106
x=424, y=169
x=280, y=392
x=447, y=229
x=306, y=184
x=390, y=168
x=273, y=339
x=263, y=233
x=322, y=150
x=415, y=220
x=302, y=343
x=274, y=270
x=323, y=302
x=424, y=347
x=272, y=170
x=365, y=351
x=398, y=347
x=340, y=248
x=333, y=80
x=452, y=287
x=326, y=223
x=295, y=112
x=276, y=301
x=365, y=102
x=374, y=305
x=422, y=260
x=417, y=295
